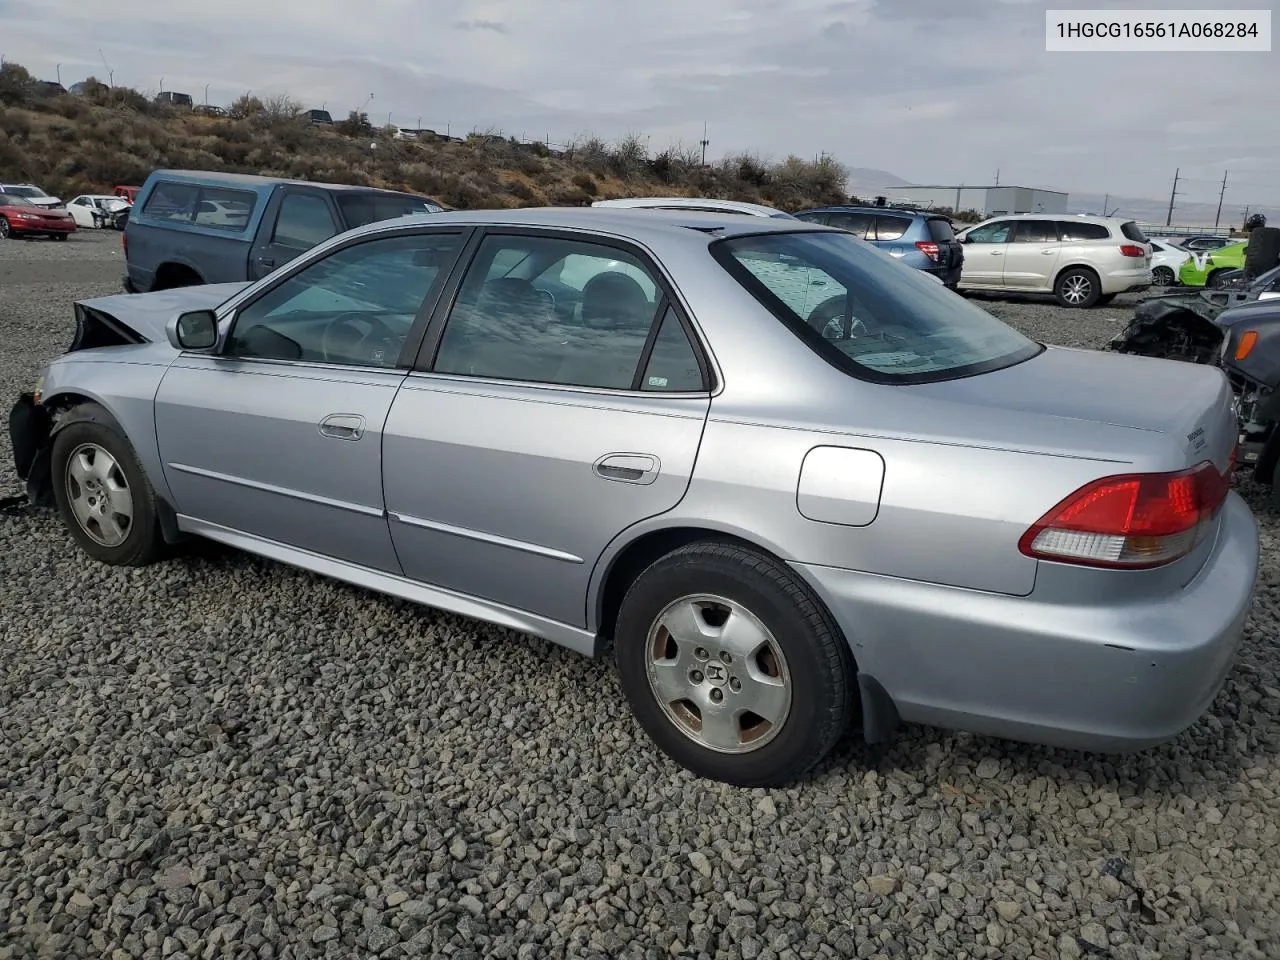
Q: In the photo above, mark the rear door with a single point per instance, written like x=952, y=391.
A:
x=537, y=428
x=296, y=219
x=891, y=234
x=1032, y=255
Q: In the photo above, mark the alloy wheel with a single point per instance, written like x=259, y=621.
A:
x=1076, y=288
x=99, y=495
x=718, y=673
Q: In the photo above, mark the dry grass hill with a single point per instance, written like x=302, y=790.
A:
x=71, y=144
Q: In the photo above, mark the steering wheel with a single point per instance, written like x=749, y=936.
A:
x=830, y=320
x=340, y=349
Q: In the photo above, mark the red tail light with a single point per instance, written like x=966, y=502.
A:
x=1133, y=521
x=928, y=248
x=1130, y=250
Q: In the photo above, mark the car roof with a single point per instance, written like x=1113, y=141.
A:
x=858, y=208
x=675, y=202
x=254, y=180
x=654, y=226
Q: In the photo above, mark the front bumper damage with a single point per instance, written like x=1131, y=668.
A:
x=30, y=429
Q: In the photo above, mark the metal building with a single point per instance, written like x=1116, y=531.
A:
x=993, y=201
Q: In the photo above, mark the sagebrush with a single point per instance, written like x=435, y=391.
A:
x=105, y=136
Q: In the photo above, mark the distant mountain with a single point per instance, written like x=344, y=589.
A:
x=869, y=182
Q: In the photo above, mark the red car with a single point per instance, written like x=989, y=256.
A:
x=18, y=218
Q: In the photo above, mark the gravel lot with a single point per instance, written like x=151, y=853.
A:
x=224, y=757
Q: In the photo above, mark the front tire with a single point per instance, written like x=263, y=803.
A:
x=5, y=230
x=732, y=666
x=1077, y=287
x=103, y=495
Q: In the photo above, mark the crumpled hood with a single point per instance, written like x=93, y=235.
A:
x=147, y=314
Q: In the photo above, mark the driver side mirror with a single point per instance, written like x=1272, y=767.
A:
x=194, y=330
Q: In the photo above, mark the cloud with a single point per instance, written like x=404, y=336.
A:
x=492, y=25
x=933, y=90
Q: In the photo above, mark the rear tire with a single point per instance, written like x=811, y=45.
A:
x=1162, y=277
x=102, y=492
x=732, y=666
x=1214, y=280
x=1263, y=251
x=1077, y=288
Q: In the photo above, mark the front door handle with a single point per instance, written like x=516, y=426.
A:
x=267, y=261
x=343, y=426
x=627, y=468
x=1048, y=253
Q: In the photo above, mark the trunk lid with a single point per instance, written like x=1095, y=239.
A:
x=1191, y=404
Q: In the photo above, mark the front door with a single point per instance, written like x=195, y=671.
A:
x=984, y=252
x=280, y=434
x=296, y=219
x=566, y=403
x=1031, y=256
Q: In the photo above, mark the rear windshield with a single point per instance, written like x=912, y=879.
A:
x=361, y=208
x=941, y=230
x=1131, y=230
x=865, y=312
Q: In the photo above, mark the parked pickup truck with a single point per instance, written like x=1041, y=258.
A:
x=191, y=227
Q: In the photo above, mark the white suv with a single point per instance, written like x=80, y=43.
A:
x=1082, y=260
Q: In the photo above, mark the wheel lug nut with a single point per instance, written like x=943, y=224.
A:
x=725, y=658
x=716, y=694
x=735, y=684
x=702, y=654
x=696, y=676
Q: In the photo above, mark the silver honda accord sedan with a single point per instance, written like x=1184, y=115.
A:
x=787, y=483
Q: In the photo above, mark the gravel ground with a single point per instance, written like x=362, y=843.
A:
x=224, y=757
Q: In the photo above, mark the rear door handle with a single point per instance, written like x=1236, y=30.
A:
x=627, y=468
x=343, y=426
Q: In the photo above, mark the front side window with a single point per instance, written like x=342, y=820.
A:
x=876, y=320
x=566, y=312
x=361, y=208
x=995, y=232
x=353, y=306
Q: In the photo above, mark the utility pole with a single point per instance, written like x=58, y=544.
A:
x=956, y=208
x=1221, y=194
x=1105, y=201
x=1168, y=221
x=1246, y=216
x=997, y=176
x=705, y=141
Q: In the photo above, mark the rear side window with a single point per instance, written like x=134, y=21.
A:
x=361, y=208
x=1035, y=231
x=1077, y=230
x=1133, y=232
x=940, y=230
x=218, y=208
x=886, y=323
x=304, y=221
x=859, y=224
x=171, y=201
x=891, y=228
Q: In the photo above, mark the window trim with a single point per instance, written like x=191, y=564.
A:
x=425, y=360
x=770, y=301
x=322, y=251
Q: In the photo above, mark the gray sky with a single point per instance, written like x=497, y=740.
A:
x=935, y=91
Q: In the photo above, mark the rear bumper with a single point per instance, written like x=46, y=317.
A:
x=1109, y=678
x=1125, y=281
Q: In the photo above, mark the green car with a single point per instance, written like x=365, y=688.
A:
x=1205, y=269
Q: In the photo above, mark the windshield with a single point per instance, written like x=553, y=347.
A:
x=868, y=314
x=11, y=201
x=25, y=192
x=361, y=208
